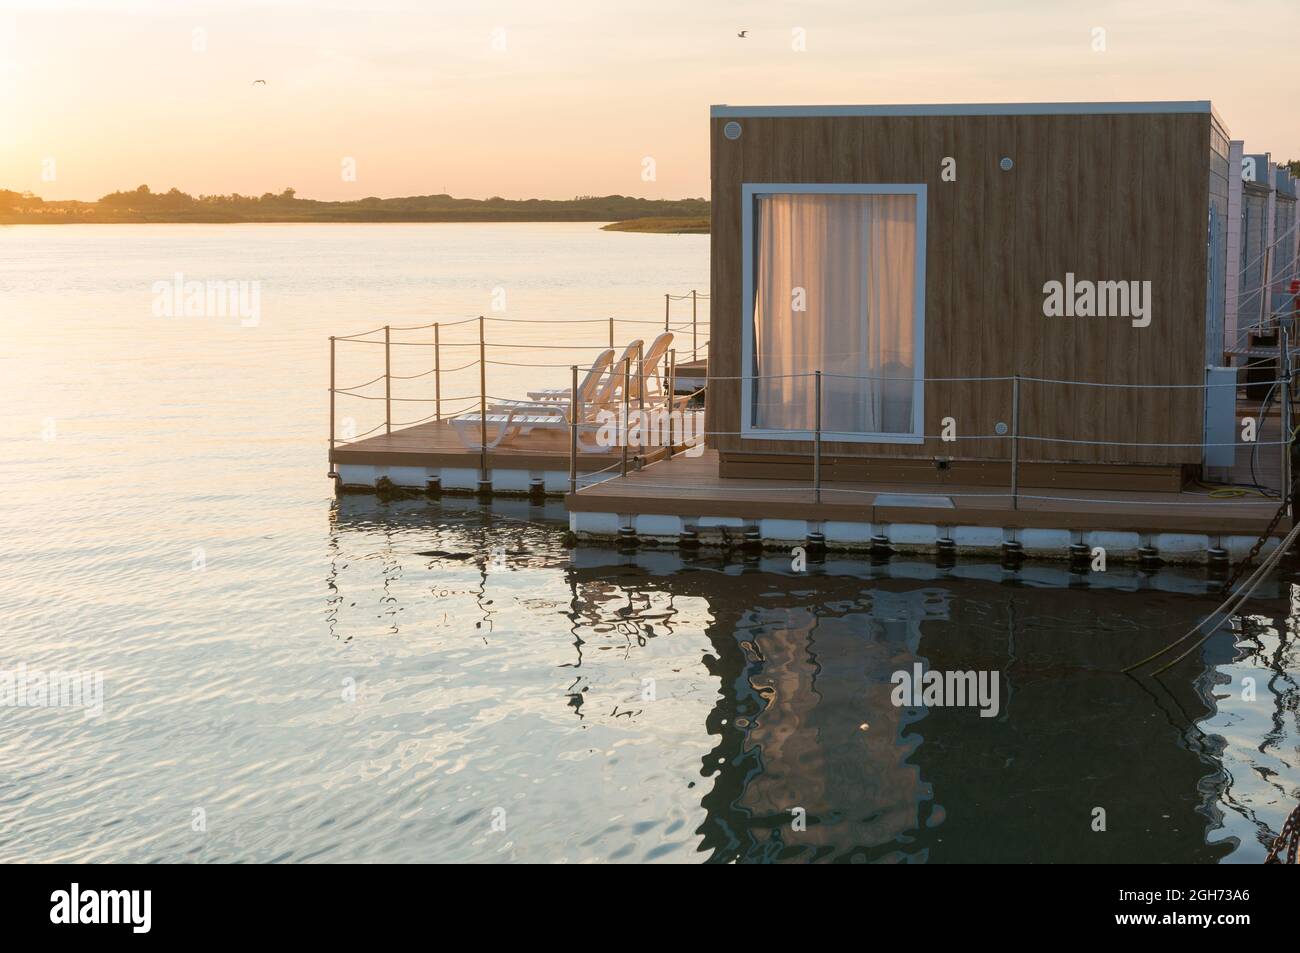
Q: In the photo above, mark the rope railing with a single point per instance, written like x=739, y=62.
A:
x=580, y=422
x=768, y=431
x=446, y=407
x=1013, y=437
x=534, y=364
x=1268, y=314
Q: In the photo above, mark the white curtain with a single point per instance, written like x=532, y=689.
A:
x=854, y=257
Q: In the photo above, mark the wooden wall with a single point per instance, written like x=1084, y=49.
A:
x=1107, y=197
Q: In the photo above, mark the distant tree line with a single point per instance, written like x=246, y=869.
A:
x=144, y=205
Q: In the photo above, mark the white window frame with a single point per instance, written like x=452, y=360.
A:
x=749, y=193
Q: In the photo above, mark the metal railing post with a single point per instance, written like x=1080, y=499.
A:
x=437, y=375
x=817, y=436
x=640, y=399
x=1265, y=302
x=611, y=332
x=482, y=403
x=666, y=309
x=695, y=326
x=388, y=382
x=670, y=399
x=332, y=381
x=627, y=386
x=1015, y=442
x=573, y=432
x=1285, y=446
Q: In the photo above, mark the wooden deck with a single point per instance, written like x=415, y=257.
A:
x=691, y=487
x=436, y=444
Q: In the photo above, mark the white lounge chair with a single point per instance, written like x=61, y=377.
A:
x=508, y=419
x=588, y=392
x=612, y=389
x=592, y=393
x=587, y=389
x=650, y=372
x=597, y=394
x=505, y=426
x=611, y=394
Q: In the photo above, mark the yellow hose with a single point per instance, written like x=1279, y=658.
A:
x=1229, y=492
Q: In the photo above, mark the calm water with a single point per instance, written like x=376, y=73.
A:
x=498, y=677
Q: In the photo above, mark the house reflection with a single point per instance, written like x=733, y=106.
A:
x=805, y=720
x=796, y=709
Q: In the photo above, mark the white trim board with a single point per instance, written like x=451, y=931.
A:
x=724, y=111
x=749, y=191
x=1232, y=279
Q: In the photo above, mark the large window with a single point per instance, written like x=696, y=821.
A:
x=834, y=280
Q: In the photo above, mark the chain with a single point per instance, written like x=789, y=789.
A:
x=1291, y=833
x=1259, y=544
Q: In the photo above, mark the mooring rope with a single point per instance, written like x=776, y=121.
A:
x=1235, y=600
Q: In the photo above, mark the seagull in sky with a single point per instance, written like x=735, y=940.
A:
x=742, y=33
x=256, y=81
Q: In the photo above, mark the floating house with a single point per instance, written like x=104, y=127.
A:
x=1286, y=243
x=978, y=326
x=965, y=298
x=904, y=253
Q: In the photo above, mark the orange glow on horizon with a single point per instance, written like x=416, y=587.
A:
x=570, y=99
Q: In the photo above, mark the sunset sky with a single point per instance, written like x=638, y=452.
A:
x=419, y=94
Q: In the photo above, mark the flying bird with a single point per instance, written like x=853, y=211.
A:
x=742, y=33
x=256, y=81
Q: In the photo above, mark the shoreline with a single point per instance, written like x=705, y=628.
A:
x=662, y=225
x=316, y=221
x=603, y=223
x=145, y=207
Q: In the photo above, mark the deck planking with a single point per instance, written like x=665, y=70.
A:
x=436, y=444
x=690, y=487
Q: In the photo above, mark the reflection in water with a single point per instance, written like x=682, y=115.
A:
x=1255, y=726
x=771, y=693
x=617, y=709
x=818, y=732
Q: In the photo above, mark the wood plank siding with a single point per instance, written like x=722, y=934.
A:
x=1107, y=197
